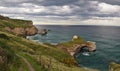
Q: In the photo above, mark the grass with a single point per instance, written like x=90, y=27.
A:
x=34, y=63
x=22, y=65
x=12, y=23
x=71, y=43
x=20, y=45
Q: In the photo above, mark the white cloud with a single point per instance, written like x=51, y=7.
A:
x=14, y=10
x=108, y=8
x=109, y=21
x=18, y=17
x=33, y=9
x=66, y=9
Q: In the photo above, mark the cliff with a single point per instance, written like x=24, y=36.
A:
x=18, y=27
x=20, y=31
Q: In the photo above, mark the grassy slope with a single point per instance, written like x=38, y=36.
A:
x=12, y=23
x=31, y=50
x=71, y=43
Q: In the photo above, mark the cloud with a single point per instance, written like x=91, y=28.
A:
x=102, y=21
x=57, y=2
x=112, y=2
x=63, y=11
x=107, y=8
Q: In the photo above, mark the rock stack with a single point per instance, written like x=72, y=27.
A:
x=43, y=32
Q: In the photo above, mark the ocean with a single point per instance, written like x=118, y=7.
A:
x=107, y=40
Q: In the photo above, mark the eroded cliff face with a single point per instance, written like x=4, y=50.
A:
x=22, y=31
x=18, y=26
x=31, y=31
x=75, y=46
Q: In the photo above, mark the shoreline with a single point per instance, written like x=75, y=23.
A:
x=55, y=44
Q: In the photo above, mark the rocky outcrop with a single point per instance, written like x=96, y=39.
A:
x=20, y=31
x=114, y=67
x=43, y=32
x=78, y=47
x=31, y=31
x=91, y=45
x=18, y=26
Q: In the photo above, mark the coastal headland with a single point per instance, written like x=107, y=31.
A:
x=19, y=54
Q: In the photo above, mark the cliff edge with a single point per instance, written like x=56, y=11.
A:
x=18, y=27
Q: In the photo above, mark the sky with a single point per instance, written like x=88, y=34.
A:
x=64, y=12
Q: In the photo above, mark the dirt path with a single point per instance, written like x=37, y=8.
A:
x=30, y=67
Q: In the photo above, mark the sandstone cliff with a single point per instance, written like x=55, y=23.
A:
x=20, y=31
x=17, y=26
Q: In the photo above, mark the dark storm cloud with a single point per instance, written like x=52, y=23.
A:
x=113, y=2
x=58, y=2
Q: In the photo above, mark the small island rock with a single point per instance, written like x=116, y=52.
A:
x=43, y=32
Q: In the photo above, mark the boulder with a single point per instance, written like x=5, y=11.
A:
x=43, y=32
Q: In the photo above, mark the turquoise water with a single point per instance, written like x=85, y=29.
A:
x=107, y=39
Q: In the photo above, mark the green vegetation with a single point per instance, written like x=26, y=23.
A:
x=34, y=63
x=114, y=66
x=75, y=41
x=41, y=56
x=12, y=23
x=18, y=45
